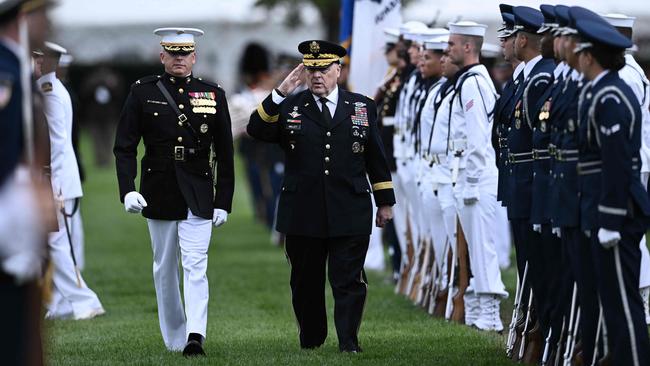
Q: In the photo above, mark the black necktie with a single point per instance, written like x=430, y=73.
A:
x=327, y=117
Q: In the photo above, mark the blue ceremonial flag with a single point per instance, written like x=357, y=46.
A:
x=345, y=29
x=368, y=64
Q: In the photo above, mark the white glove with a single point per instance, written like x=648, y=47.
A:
x=537, y=228
x=557, y=232
x=23, y=267
x=219, y=217
x=134, y=202
x=608, y=238
x=470, y=194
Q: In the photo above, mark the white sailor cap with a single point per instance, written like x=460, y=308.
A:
x=51, y=47
x=422, y=35
x=467, y=28
x=411, y=26
x=438, y=43
x=391, y=35
x=620, y=20
x=178, y=40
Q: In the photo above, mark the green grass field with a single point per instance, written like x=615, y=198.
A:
x=250, y=316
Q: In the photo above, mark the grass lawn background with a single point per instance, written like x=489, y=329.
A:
x=250, y=319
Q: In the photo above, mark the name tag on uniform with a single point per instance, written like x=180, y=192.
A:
x=294, y=124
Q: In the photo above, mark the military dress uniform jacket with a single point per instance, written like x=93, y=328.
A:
x=502, y=118
x=520, y=139
x=66, y=182
x=175, y=170
x=539, y=211
x=325, y=192
x=609, y=167
x=564, y=197
x=11, y=113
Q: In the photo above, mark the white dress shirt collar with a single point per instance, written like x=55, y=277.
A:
x=530, y=65
x=332, y=100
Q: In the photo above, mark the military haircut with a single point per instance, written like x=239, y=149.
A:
x=534, y=40
x=475, y=41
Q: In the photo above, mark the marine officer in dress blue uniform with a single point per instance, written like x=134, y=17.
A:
x=181, y=119
x=614, y=204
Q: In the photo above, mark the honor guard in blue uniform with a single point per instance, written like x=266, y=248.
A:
x=550, y=248
x=332, y=147
x=634, y=75
x=538, y=76
x=614, y=204
x=506, y=103
x=181, y=119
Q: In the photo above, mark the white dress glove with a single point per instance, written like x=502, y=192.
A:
x=557, y=232
x=219, y=217
x=537, y=228
x=134, y=202
x=23, y=267
x=608, y=238
x=470, y=194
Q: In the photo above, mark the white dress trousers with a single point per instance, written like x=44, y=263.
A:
x=190, y=238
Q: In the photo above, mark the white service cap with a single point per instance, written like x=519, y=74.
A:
x=178, y=40
x=52, y=47
x=467, y=28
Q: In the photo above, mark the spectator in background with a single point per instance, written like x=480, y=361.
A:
x=501, y=73
x=264, y=162
x=101, y=97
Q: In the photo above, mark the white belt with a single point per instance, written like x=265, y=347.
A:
x=457, y=145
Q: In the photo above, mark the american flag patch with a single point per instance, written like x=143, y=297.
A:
x=469, y=105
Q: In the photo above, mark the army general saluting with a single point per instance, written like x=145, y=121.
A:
x=179, y=118
x=331, y=141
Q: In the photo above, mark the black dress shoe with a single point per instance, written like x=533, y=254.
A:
x=194, y=346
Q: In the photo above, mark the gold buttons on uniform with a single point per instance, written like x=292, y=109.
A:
x=181, y=106
x=327, y=159
x=327, y=172
x=180, y=90
x=180, y=123
x=327, y=146
x=180, y=139
x=328, y=134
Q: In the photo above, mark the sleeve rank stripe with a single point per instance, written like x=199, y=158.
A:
x=265, y=116
x=382, y=185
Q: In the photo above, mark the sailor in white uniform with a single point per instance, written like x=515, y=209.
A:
x=71, y=297
x=474, y=164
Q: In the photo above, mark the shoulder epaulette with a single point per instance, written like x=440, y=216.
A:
x=146, y=80
x=210, y=83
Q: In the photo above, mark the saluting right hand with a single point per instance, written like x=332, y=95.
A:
x=134, y=202
x=295, y=78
